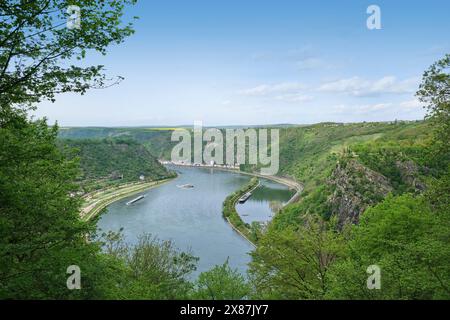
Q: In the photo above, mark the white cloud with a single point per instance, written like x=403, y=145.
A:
x=260, y=90
x=266, y=89
x=357, y=86
x=411, y=104
x=396, y=110
x=361, y=109
x=354, y=84
x=294, y=97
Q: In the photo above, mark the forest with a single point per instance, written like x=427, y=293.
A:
x=112, y=161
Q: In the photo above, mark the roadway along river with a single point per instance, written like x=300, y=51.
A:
x=192, y=218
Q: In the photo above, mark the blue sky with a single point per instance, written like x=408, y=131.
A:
x=260, y=62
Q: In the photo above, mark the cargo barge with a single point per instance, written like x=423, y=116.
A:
x=135, y=200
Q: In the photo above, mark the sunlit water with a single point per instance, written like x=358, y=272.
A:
x=192, y=218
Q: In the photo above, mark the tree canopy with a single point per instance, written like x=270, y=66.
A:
x=38, y=53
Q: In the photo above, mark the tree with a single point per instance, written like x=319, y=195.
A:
x=293, y=263
x=42, y=233
x=407, y=241
x=152, y=269
x=221, y=283
x=435, y=92
x=38, y=51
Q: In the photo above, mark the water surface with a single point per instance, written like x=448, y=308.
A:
x=265, y=201
x=192, y=218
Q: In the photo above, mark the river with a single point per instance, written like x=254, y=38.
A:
x=192, y=218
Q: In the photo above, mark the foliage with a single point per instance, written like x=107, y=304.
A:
x=35, y=46
x=221, y=283
x=114, y=159
x=435, y=92
x=314, y=203
x=293, y=264
x=42, y=233
x=408, y=242
x=152, y=269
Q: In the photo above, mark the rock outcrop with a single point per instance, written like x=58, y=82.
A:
x=355, y=187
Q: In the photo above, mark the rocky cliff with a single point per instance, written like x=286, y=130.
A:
x=355, y=187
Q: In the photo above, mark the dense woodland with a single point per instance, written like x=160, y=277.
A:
x=375, y=193
x=112, y=160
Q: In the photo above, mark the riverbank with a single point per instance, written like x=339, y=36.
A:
x=95, y=202
x=298, y=187
x=232, y=216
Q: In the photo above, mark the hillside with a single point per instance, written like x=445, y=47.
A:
x=120, y=159
x=346, y=168
x=157, y=140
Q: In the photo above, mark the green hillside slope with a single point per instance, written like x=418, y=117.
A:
x=346, y=168
x=117, y=159
x=157, y=140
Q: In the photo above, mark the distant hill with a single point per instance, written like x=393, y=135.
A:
x=114, y=159
x=157, y=140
